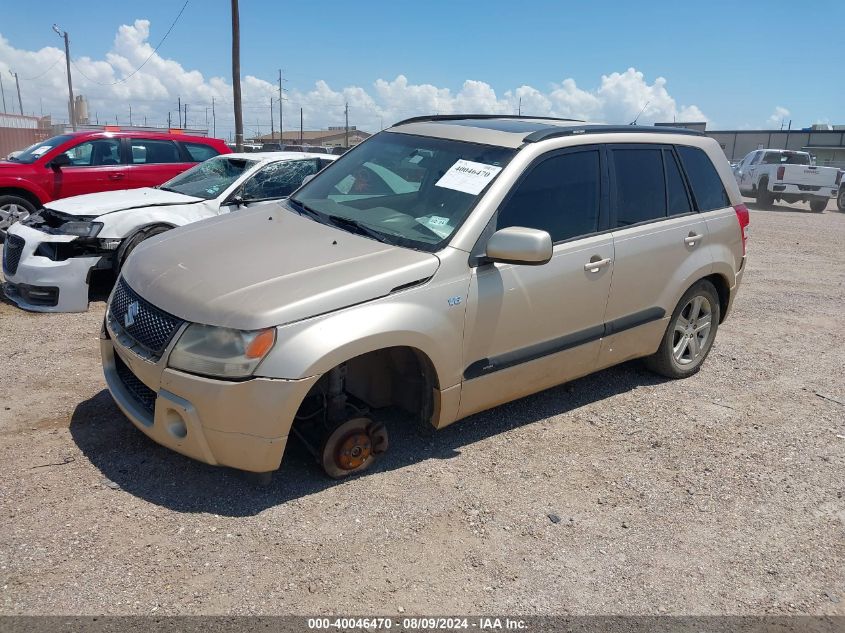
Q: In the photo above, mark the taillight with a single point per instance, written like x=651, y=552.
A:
x=781, y=171
x=744, y=220
x=839, y=176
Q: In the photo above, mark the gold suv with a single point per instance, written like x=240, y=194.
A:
x=445, y=266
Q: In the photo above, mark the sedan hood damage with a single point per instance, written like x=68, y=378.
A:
x=105, y=202
x=268, y=266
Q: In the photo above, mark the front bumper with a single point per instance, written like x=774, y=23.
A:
x=243, y=425
x=43, y=285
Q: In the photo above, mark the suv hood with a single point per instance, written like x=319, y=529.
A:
x=267, y=266
x=106, y=202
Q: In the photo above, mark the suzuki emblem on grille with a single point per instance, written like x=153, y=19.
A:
x=131, y=313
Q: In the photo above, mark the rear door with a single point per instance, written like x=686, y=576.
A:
x=531, y=327
x=658, y=242
x=154, y=161
x=95, y=165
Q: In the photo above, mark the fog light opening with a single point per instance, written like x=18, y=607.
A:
x=176, y=425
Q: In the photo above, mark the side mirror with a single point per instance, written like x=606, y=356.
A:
x=519, y=245
x=62, y=160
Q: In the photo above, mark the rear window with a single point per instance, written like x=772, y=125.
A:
x=707, y=187
x=199, y=152
x=786, y=158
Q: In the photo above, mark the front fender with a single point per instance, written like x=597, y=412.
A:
x=122, y=224
x=418, y=319
x=24, y=184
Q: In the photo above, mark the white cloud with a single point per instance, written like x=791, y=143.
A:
x=153, y=92
x=777, y=117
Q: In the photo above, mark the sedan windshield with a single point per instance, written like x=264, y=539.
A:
x=209, y=179
x=409, y=190
x=34, y=152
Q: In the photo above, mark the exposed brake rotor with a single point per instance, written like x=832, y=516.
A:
x=352, y=447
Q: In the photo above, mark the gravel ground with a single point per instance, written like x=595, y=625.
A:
x=617, y=493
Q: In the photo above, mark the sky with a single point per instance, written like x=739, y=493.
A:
x=736, y=65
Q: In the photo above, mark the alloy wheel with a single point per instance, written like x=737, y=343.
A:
x=692, y=330
x=11, y=213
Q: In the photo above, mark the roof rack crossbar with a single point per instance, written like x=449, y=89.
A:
x=542, y=135
x=457, y=117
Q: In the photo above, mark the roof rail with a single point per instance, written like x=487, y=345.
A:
x=457, y=117
x=542, y=135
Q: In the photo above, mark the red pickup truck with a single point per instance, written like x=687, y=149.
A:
x=87, y=162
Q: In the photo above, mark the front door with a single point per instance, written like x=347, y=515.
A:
x=94, y=166
x=531, y=327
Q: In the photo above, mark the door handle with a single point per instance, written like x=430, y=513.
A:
x=595, y=266
x=117, y=176
x=692, y=238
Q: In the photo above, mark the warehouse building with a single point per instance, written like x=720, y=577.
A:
x=825, y=142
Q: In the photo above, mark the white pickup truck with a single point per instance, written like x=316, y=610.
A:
x=779, y=174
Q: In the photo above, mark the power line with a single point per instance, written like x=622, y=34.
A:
x=155, y=50
x=61, y=57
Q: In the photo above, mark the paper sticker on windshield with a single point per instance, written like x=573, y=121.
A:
x=41, y=150
x=436, y=220
x=467, y=176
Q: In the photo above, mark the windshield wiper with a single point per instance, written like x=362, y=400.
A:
x=356, y=227
x=304, y=209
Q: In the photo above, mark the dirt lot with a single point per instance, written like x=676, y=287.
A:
x=723, y=493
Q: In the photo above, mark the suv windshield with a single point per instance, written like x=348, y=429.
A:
x=409, y=190
x=34, y=152
x=209, y=179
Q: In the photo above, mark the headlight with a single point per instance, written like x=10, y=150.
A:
x=82, y=229
x=220, y=351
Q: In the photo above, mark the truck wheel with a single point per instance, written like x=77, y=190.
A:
x=13, y=209
x=818, y=205
x=129, y=245
x=690, y=334
x=764, y=196
x=840, y=199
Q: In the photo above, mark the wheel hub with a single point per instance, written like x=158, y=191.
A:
x=353, y=451
x=353, y=446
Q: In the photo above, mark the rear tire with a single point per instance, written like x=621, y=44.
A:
x=690, y=333
x=840, y=199
x=13, y=209
x=130, y=244
x=764, y=196
x=818, y=206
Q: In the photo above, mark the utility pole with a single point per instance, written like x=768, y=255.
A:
x=272, y=129
x=70, y=110
x=520, y=106
x=281, y=99
x=179, y=109
x=186, y=116
x=3, y=92
x=18, y=85
x=168, y=120
x=236, y=76
x=300, y=126
x=130, y=115
x=213, y=118
x=347, y=125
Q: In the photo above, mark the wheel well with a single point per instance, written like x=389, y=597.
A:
x=23, y=193
x=401, y=377
x=724, y=292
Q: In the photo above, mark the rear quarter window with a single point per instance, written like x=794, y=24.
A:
x=199, y=152
x=707, y=187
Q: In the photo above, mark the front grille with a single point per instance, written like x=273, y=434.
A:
x=148, y=326
x=145, y=396
x=12, y=250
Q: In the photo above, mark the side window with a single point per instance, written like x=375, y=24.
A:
x=104, y=151
x=707, y=187
x=200, y=152
x=757, y=157
x=147, y=151
x=676, y=190
x=640, y=190
x=560, y=196
x=278, y=180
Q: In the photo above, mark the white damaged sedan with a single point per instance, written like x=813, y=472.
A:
x=50, y=259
